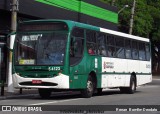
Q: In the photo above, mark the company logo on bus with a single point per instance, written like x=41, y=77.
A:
x=108, y=65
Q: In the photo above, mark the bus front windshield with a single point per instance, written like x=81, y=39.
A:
x=40, y=48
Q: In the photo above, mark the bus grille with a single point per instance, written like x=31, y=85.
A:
x=42, y=84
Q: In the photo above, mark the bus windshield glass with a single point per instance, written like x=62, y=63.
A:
x=41, y=48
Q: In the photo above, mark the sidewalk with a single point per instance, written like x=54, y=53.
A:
x=28, y=92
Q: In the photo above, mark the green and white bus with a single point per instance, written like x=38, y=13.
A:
x=66, y=55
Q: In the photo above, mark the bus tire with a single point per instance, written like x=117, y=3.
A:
x=88, y=92
x=44, y=93
x=132, y=88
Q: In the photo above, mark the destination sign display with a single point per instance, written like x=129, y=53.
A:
x=42, y=27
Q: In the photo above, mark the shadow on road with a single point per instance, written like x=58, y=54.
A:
x=74, y=95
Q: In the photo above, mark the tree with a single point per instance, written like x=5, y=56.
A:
x=154, y=6
x=146, y=23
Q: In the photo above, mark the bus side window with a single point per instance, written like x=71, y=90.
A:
x=120, y=47
x=128, y=49
x=147, y=49
x=142, y=55
x=91, y=42
x=110, y=52
x=110, y=46
x=134, y=50
x=101, y=44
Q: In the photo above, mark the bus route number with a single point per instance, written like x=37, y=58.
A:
x=53, y=68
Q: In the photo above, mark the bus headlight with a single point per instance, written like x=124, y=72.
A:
x=60, y=72
x=18, y=74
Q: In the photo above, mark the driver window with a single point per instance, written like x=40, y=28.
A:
x=76, y=46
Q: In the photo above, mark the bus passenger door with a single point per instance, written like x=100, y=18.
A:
x=77, y=63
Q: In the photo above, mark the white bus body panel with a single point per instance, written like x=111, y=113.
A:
x=117, y=72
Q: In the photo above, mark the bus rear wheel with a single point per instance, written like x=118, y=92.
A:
x=44, y=93
x=88, y=92
x=131, y=89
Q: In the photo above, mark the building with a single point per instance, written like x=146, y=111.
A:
x=91, y=12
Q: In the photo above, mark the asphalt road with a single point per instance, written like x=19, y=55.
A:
x=145, y=95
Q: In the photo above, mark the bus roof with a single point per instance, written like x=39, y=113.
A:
x=87, y=26
x=124, y=35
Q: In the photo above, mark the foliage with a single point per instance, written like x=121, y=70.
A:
x=146, y=18
x=146, y=22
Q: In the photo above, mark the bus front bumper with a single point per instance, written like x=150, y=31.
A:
x=58, y=82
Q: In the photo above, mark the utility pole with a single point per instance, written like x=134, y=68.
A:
x=112, y=2
x=132, y=17
x=14, y=9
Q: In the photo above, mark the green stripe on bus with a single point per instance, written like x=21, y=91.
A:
x=88, y=9
x=86, y=26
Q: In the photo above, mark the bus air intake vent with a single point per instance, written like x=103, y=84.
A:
x=41, y=84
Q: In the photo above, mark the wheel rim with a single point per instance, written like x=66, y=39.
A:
x=133, y=86
x=89, y=86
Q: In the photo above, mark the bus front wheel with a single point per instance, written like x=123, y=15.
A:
x=88, y=92
x=44, y=93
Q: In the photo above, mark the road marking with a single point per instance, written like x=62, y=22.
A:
x=149, y=86
x=155, y=79
x=56, y=101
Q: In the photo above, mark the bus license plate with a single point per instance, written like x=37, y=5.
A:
x=36, y=81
